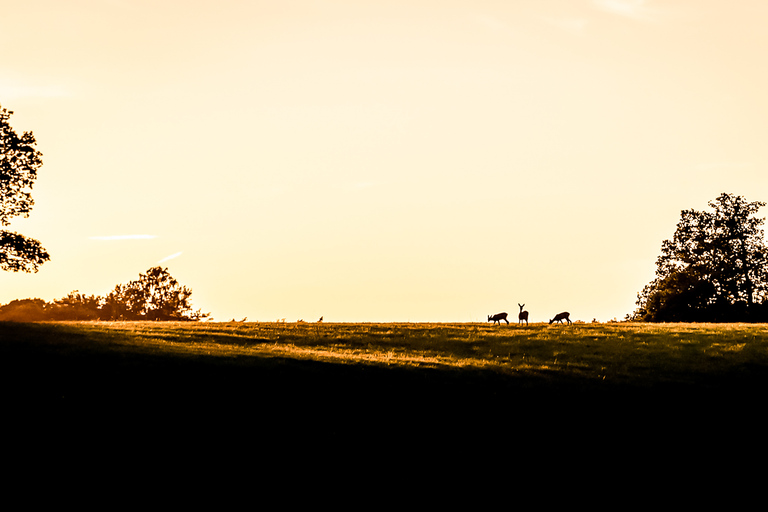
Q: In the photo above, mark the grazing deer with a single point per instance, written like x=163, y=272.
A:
x=560, y=316
x=498, y=317
x=523, y=315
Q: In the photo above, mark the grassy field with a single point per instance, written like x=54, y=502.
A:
x=386, y=368
x=621, y=353
x=625, y=356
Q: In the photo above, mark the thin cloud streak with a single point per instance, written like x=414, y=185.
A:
x=172, y=256
x=123, y=237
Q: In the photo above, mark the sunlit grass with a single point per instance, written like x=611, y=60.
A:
x=614, y=352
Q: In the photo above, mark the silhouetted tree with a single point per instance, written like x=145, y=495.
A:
x=115, y=306
x=19, y=161
x=715, y=268
x=75, y=306
x=156, y=295
x=24, y=310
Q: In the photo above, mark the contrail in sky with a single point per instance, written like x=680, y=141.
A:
x=174, y=255
x=123, y=237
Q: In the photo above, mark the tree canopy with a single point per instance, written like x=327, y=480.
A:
x=155, y=295
x=715, y=267
x=19, y=162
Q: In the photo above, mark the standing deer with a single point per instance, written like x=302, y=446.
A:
x=498, y=317
x=560, y=316
x=523, y=315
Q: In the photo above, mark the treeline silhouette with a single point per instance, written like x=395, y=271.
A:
x=714, y=269
x=156, y=295
x=689, y=306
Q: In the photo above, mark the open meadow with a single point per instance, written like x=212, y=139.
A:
x=592, y=355
x=386, y=369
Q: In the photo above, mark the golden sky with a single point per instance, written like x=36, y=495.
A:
x=380, y=160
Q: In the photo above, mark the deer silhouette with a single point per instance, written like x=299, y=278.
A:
x=560, y=316
x=498, y=317
x=523, y=315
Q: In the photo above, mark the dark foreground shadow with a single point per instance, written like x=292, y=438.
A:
x=62, y=375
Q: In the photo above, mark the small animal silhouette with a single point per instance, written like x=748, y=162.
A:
x=523, y=315
x=321, y=319
x=560, y=316
x=498, y=317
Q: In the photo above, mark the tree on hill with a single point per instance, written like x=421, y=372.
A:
x=714, y=269
x=156, y=295
x=75, y=306
x=19, y=162
x=24, y=310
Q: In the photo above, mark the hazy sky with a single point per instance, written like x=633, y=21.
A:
x=380, y=160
